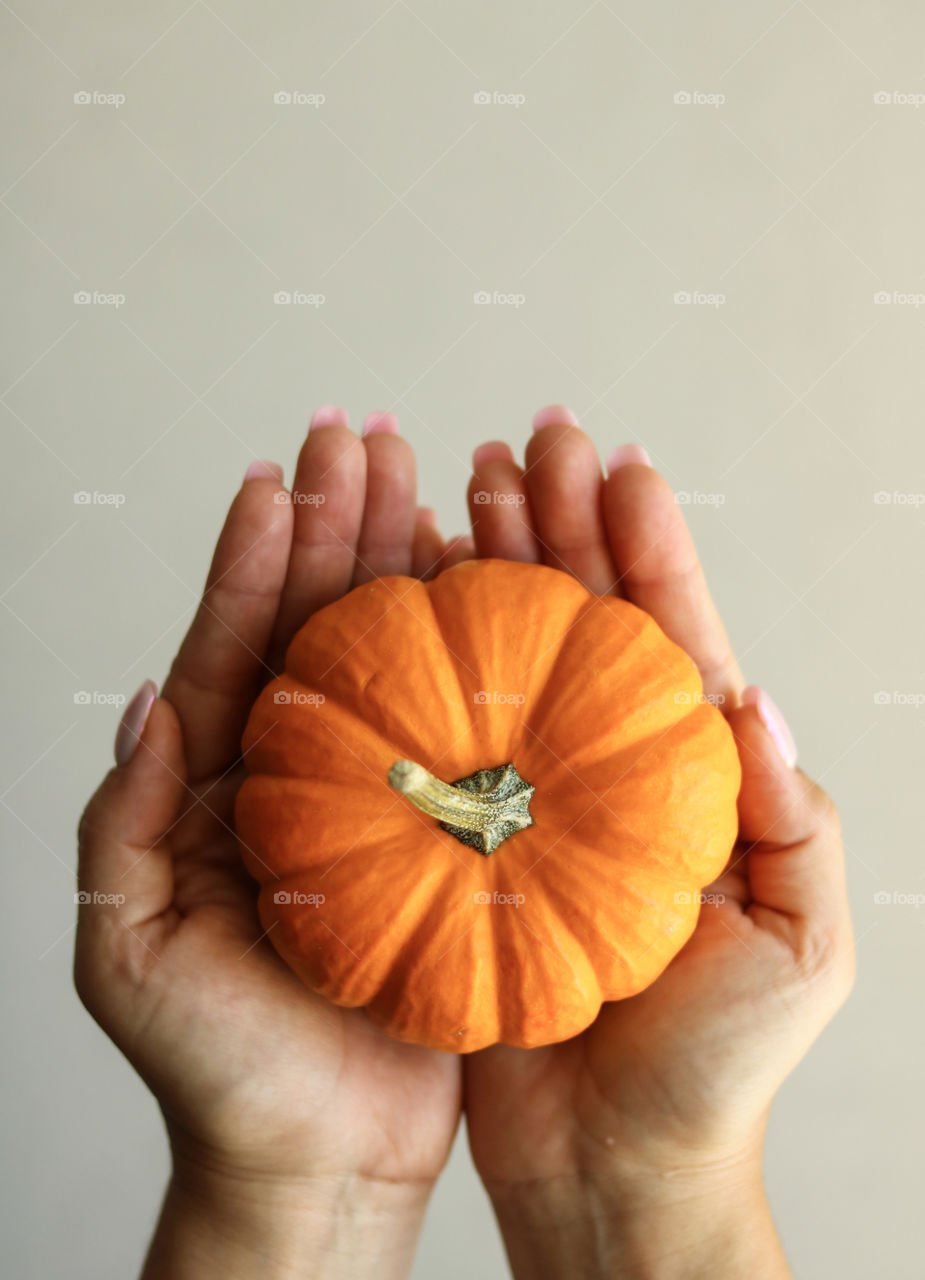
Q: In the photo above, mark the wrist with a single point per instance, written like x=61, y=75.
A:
x=219, y=1222
x=680, y=1222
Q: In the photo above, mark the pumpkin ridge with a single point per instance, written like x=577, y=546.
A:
x=550, y=688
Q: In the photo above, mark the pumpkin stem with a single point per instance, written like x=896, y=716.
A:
x=481, y=810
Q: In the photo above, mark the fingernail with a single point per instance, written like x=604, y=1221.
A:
x=329, y=415
x=134, y=719
x=554, y=413
x=263, y=470
x=625, y=453
x=380, y=422
x=427, y=515
x=773, y=721
x=491, y=451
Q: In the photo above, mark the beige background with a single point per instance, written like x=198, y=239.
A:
x=598, y=198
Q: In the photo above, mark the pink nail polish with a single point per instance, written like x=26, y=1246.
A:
x=773, y=721
x=330, y=415
x=625, y=453
x=263, y=470
x=554, y=413
x=491, y=451
x=134, y=719
x=380, y=422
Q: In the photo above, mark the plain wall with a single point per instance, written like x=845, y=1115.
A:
x=598, y=198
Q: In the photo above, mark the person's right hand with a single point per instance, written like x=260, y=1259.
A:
x=639, y=1141
x=303, y=1137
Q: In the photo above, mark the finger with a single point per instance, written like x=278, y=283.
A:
x=387, y=531
x=790, y=826
x=121, y=851
x=457, y=548
x=329, y=490
x=564, y=479
x=212, y=681
x=499, y=507
x=427, y=546
x=660, y=572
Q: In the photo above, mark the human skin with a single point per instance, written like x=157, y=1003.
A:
x=634, y=1149
x=305, y=1141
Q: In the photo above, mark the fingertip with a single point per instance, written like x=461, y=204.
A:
x=132, y=725
x=772, y=719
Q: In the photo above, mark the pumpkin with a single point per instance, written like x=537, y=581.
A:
x=482, y=805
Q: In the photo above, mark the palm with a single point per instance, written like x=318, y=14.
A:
x=244, y=1038
x=253, y=1070
x=547, y=1112
x=677, y=1051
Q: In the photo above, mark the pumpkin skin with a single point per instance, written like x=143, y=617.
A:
x=373, y=903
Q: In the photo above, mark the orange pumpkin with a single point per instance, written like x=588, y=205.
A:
x=482, y=805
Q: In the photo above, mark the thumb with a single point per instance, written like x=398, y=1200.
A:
x=789, y=824
x=124, y=864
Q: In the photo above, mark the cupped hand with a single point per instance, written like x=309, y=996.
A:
x=681, y=1076
x=256, y=1076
